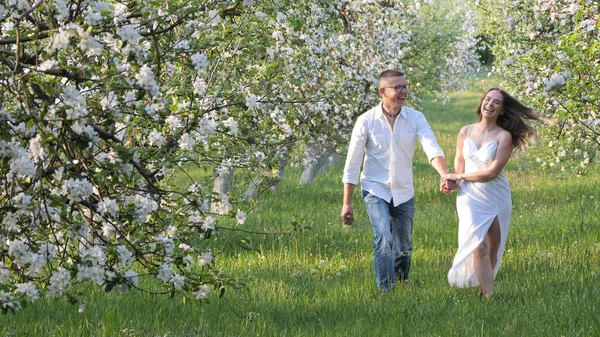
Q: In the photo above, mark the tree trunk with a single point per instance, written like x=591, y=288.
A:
x=223, y=184
x=282, y=162
x=319, y=164
x=330, y=161
x=261, y=183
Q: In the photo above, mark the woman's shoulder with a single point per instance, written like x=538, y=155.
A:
x=464, y=131
x=504, y=136
x=503, y=133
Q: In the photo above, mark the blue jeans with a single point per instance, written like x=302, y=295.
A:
x=392, y=244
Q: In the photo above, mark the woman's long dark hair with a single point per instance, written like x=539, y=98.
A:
x=513, y=118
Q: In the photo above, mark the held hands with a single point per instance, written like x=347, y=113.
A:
x=449, y=183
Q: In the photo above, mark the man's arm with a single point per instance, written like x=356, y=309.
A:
x=439, y=164
x=347, y=211
x=432, y=149
x=430, y=145
x=356, y=150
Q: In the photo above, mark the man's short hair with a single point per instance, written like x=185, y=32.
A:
x=390, y=73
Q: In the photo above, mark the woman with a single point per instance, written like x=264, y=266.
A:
x=484, y=202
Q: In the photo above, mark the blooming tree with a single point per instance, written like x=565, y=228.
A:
x=547, y=51
x=106, y=105
x=334, y=54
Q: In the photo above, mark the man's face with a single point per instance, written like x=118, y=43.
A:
x=392, y=97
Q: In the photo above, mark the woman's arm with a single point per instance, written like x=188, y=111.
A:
x=459, y=159
x=503, y=153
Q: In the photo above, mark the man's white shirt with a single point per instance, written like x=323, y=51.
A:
x=388, y=155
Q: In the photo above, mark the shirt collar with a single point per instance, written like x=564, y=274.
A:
x=379, y=111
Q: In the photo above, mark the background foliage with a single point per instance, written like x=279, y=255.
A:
x=320, y=281
x=106, y=105
x=546, y=52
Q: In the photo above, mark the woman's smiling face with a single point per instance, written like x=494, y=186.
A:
x=492, y=106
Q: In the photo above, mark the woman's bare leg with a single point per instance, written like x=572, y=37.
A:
x=493, y=235
x=486, y=257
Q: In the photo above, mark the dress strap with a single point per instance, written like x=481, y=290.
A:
x=469, y=131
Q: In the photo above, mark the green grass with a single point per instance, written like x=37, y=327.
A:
x=320, y=282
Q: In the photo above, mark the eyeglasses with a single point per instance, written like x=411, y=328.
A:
x=400, y=87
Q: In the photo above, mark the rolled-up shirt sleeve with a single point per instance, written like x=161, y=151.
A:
x=427, y=138
x=356, y=150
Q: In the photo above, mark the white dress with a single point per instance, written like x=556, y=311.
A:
x=478, y=204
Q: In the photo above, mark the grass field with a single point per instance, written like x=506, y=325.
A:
x=320, y=281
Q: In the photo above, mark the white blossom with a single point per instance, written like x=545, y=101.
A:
x=208, y=224
x=144, y=206
x=232, y=125
x=555, y=82
x=200, y=86
x=251, y=101
x=47, y=65
x=73, y=98
x=178, y=281
x=28, y=290
x=61, y=39
x=23, y=200
x=18, y=249
x=240, y=217
x=7, y=300
x=205, y=258
x=145, y=78
x=187, y=142
x=208, y=126
x=186, y=247
x=94, y=255
x=47, y=252
x=36, y=264
x=93, y=273
x=260, y=156
x=574, y=8
x=173, y=122
x=10, y=222
x=107, y=207
x=214, y=18
x=4, y=273
x=156, y=138
x=199, y=61
x=202, y=292
x=62, y=9
x=59, y=281
x=109, y=102
x=125, y=256
x=182, y=45
x=36, y=149
x=164, y=273
x=108, y=230
x=93, y=13
x=22, y=166
x=88, y=43
x=132, y=277
x=167, y=243
x=77, y=189
x=58, y=173
x=120, y=13
x=588, y=25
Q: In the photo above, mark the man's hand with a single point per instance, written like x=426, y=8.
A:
x=447, y=186
x=347, y=214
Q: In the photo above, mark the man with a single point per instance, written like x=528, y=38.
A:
x=385, y=136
